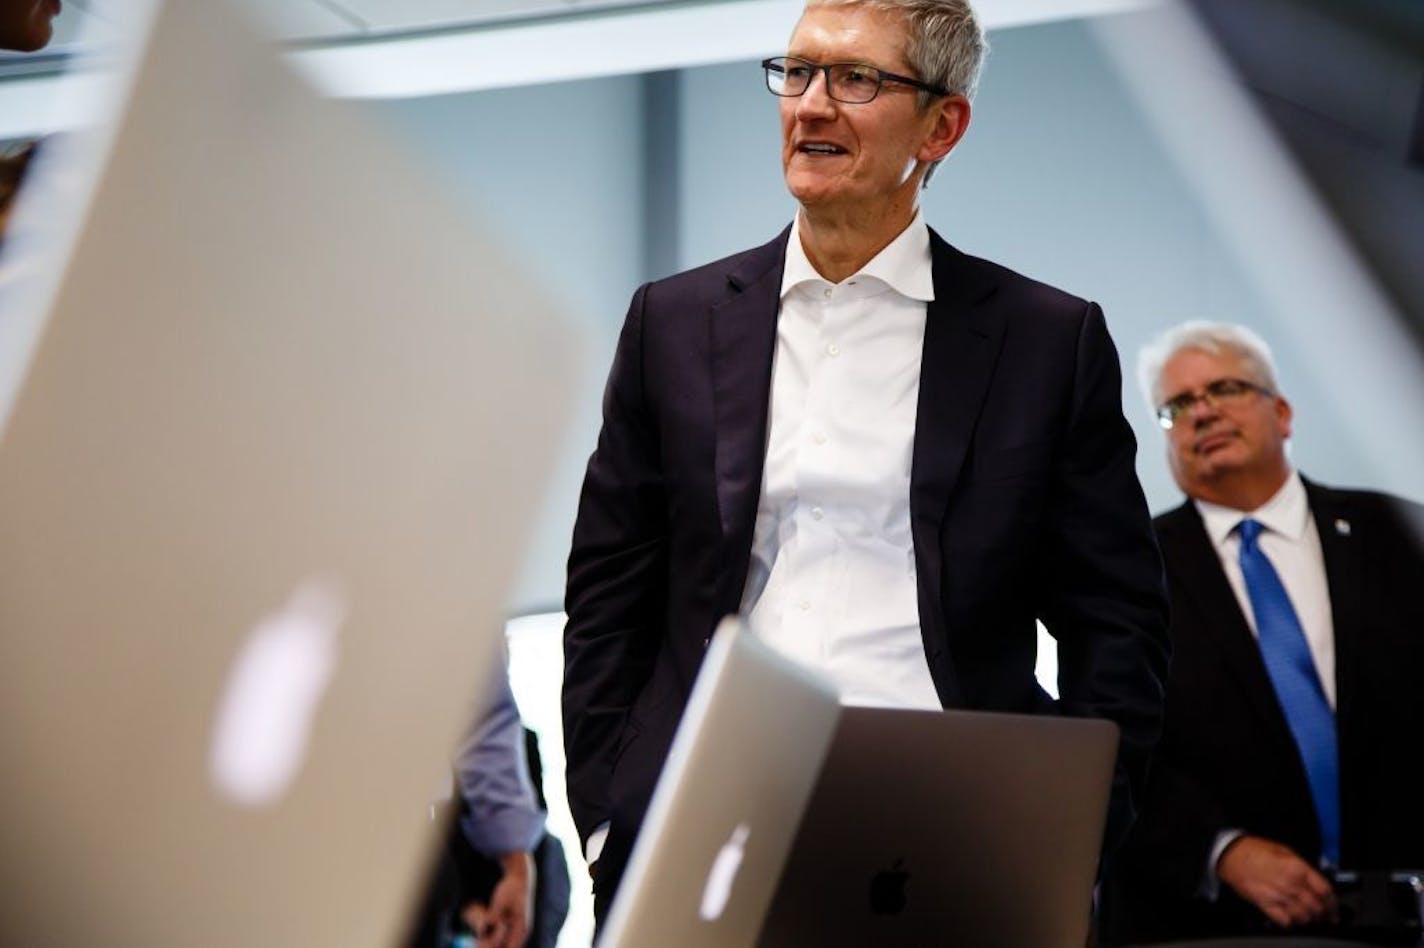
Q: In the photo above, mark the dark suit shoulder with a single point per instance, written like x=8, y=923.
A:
x=1181, y=517
x=1367, y=501
x=1383, y=510
x=712, y=280
x=982, y=277
x=1180, y=532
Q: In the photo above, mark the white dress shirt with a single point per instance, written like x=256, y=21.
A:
x=1291, y=542
x=832, y=577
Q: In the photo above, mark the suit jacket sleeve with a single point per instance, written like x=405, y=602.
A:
x=616, y=592
x=1107, y=603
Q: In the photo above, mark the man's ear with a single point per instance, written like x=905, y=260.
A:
x=1284, y=416
x=951, y=120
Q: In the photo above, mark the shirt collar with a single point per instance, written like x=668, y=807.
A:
x=904, y=265
x=1286, y=513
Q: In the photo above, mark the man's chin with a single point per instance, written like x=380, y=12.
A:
x=812, y=190
x=1216, y=473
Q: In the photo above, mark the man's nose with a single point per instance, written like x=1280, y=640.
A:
x=816, y=101
x=1203, y=410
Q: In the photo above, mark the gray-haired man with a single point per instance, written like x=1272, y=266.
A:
x=1290, y=743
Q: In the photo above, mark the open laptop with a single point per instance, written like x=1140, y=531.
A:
x=742, y=765
x=262, y=492
x=939, y=828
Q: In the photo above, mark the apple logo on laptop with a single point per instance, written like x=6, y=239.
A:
x=887, y=890
x=274, y=686
x=724, y=870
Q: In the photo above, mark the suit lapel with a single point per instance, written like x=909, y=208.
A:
x=743, y=341
x=1337, y=526
x=1193, y=565
x=961, y=349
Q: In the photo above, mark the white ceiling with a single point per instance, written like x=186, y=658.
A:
x=322, y=21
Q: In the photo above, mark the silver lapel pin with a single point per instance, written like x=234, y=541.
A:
x=1342, y=526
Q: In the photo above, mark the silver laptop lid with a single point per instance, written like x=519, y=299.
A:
x=932, y=827
x=261, y=496
x=721, y=820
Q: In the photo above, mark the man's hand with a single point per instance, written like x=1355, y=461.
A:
x=1286, y=888
x=504, y=923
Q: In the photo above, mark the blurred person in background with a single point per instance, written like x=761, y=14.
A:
x=27, y=25
x=496, y=813
x=480, y=875
x=890, y=456
x=1291, y=741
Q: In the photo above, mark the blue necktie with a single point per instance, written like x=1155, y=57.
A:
x=1297, y=684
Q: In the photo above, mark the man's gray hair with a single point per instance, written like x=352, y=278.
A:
x=1214, y=338
x=946, y=46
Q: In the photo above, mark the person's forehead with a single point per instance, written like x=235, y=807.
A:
x=850, y=30
x=1190, y=367
x=1194, y=361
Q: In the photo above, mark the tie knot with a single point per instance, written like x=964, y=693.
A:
x=1249, y=530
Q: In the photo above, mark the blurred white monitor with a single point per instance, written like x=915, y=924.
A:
x=262, y=492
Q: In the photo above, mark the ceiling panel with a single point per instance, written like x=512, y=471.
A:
x=305, y=19
x=383, y=16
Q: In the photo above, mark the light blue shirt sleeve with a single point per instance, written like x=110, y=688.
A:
x=493, y=776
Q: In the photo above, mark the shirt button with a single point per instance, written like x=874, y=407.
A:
x=817, y=513
x=818, y=438
x=805, y=604
x=827, y=294
x=833, y=349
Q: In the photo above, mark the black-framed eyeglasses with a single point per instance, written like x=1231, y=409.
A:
x=1220, y=392
x=852, y=83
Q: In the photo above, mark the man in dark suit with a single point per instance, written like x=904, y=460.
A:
x=890, y=456
x=1267, y=776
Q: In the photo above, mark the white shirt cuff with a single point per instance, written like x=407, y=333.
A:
x=594, y=847
x=1211, y=882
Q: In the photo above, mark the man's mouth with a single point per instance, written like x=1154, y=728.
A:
x=820, y=148
x=1209, y=443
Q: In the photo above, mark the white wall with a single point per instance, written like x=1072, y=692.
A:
x=557, y=170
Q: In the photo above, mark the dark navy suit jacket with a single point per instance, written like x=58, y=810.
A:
x=1024, y=504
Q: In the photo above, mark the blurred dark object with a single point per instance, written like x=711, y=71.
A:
x=1343, y=85
x=1379, y=909
x=1270, y=941
x=1382, y=908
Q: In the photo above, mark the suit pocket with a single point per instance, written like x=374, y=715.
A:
x=626, y=739
x=650, y=701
